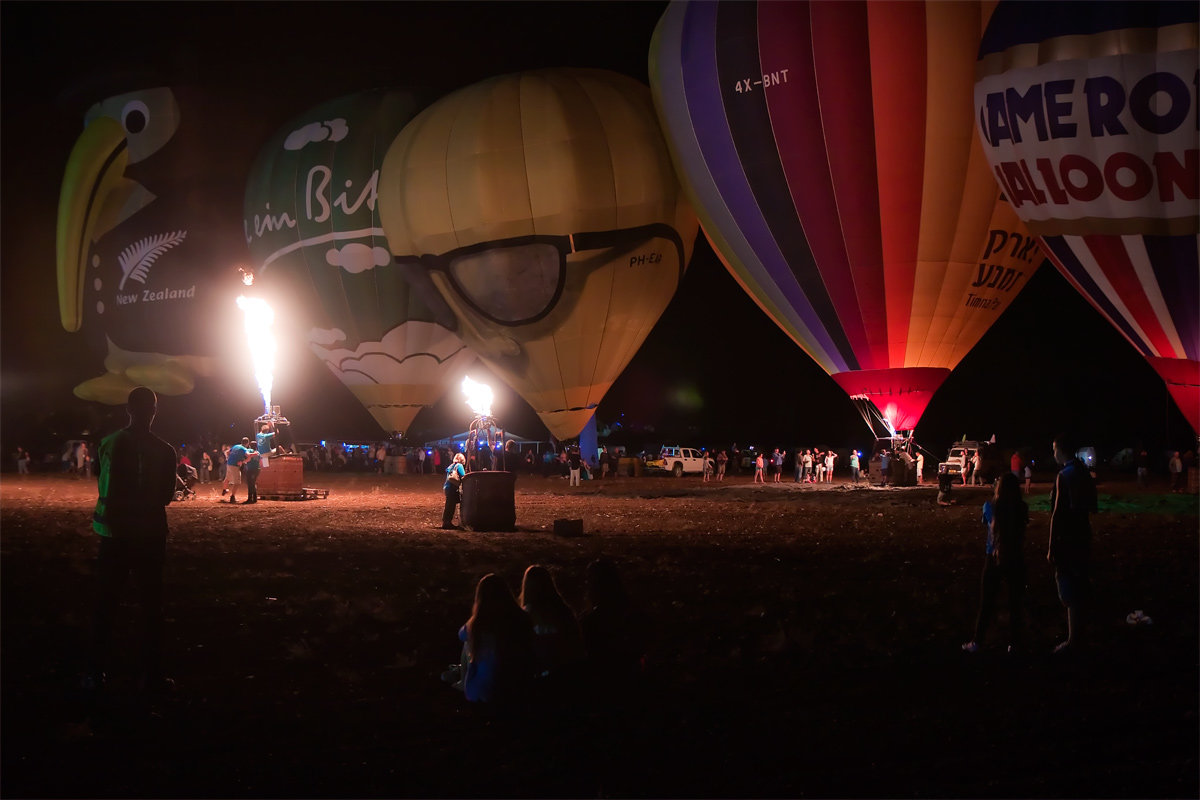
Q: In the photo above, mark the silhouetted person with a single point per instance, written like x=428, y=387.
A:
x=498, y=660
x=137, y=481
x=557, y=641
x=613, y=635
x=1005, y=518
x=250, y=469
x=1072, y=499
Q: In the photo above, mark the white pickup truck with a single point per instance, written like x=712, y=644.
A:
x=677, y=461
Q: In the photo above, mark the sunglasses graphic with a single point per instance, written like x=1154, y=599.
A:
x=520, y=280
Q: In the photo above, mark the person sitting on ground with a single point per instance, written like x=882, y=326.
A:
x=613, y=635
x=498, y=657
x=945, y=483
x=557, y=640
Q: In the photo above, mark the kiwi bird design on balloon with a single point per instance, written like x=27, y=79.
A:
x=145, y=237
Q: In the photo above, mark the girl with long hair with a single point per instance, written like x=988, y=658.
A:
x=557, y=641
x=1005, y=517
x=498, y=657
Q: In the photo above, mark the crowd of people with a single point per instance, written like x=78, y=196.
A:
x=515, y=648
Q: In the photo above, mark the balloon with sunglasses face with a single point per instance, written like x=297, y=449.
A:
x=540, y=216
x=312, y=225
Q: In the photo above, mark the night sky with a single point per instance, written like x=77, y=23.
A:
x=714, y=370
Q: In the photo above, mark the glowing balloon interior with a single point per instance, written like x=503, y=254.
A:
x=828, y=150
x=1087, y=113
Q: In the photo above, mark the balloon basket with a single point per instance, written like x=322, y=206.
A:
x=489, y=501
x=283, y=479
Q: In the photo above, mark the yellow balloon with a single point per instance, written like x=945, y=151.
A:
x=539, y=215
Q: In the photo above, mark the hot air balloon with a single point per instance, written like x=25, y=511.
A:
x=312, y=225
x=148, y=228
x=1087, y=113
x=828, y=151
x=540, y=213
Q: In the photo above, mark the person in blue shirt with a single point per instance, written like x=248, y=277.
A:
x=264, y=443
x=234, y=461
x=1005, y=517
x=453, y=488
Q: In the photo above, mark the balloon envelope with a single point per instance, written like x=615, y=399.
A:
x=148, y=234
x=312, y=225
x=828, y=150
x=540, y=213
x=1087, y=113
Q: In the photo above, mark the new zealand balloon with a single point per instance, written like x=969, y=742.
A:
x=828, y=150
x=312, y=224
x=149, y=233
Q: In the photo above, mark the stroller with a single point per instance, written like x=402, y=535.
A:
x=185, y=478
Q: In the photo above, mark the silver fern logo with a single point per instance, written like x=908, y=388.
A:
x=137, y=259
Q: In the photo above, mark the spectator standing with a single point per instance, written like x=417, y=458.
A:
x=854, y=468
x=1142, y=461
x=776, y=465
x=920, y=467
x=758, y=469
x=137, y=481
x=722, y=461
x=1005, y=518
x=1175, y=467
x=1072, y=500
x=83, y=461
x=22, y=456
x=575, y=465
x=205, y=466
x=830, y=458
x=806, y=471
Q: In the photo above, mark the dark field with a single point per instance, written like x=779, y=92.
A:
x=806, y=643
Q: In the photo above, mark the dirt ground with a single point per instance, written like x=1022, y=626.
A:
x=806, y=642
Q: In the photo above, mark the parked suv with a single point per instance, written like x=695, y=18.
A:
x=677, y=461
x=960, y=457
